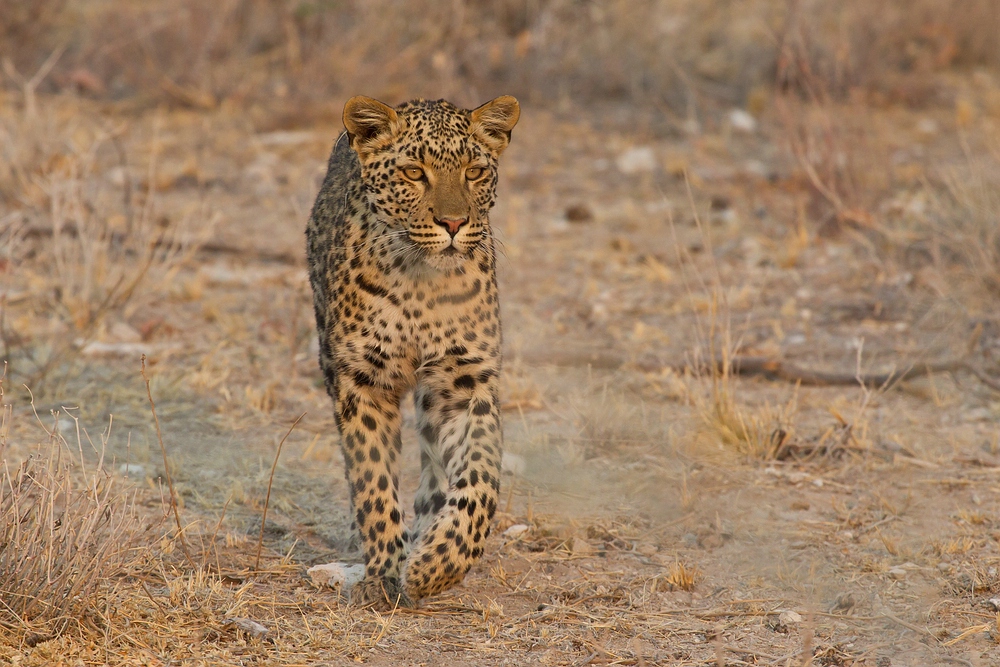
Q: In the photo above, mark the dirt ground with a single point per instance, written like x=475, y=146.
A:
x=651, y=516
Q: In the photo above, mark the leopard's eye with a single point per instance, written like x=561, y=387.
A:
x=474, y=173
x=413, y=173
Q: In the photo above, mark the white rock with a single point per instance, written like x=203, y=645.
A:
x=516, y=531
x=741, y=121
x=927, y=126
x=635, y=160
x=132, y=470
x=249, y=626
x=514, y=464
x=344, y=575
x=789, y=617
x=897, y=573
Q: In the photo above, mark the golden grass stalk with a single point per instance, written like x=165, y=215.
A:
x=270, y=481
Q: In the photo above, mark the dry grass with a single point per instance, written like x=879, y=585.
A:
x=70, y=530
x=97, y=241
x=680, y=55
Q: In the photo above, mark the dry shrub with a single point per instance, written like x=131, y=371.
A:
x=84, y=235
x=658, y=52
x=672, y=54
x=888, y=48
x=69, y=529
x=29, y=31
x=836, y=60
x=960, y=227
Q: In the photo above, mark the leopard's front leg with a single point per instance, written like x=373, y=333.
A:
x=369, y=422
x=459, y=423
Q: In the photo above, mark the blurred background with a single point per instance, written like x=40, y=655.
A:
x=676, y=58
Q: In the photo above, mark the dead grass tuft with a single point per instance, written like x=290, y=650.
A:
x=85, y=237
x=757, y=433
x=69, y=529
x=681, y=577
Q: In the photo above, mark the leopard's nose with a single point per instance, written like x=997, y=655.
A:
x=451, y=224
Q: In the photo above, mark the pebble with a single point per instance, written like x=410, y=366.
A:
x=336, y=574
x=742, y=121
x=580, y=547
x=897, y=573
x=636, y=160
x=132, y=470
x=513, y=464
x=515, y=531
x=789, y=617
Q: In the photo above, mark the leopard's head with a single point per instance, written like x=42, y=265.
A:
x=430, y=169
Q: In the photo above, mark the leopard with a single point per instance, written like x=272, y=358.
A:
x=402, y=264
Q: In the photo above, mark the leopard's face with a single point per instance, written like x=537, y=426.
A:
x=432, y=175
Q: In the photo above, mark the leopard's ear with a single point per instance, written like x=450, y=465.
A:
x=493, y=121
x=370, y=124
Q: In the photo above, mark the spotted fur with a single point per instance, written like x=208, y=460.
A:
x=401, y=262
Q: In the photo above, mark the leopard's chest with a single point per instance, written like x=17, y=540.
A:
x=392, y=323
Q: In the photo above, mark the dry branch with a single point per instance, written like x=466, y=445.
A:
x=778, y=369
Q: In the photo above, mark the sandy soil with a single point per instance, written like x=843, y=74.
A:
x=878, y=545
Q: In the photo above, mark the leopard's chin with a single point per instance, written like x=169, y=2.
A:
x=449, y=258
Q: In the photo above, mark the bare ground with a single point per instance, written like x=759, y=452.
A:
x=661, y=529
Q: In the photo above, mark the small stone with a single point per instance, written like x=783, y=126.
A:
x=579, y=213
x=712, y=541
x=719, y=203
x=513, y=464
x=944, y=566
x=690, y=540
x=646, y=549
x=927, y=126
x=516, y=531
x=994, y=604
x=897, y=573
x=246, y=625
x=336, y=575
x=580, y=547
x=789, y=617
x=636, y=160
x=742, y=121
x=132, y=470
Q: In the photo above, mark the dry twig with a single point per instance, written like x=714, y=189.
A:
x=166, y=465
x=270, y=481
